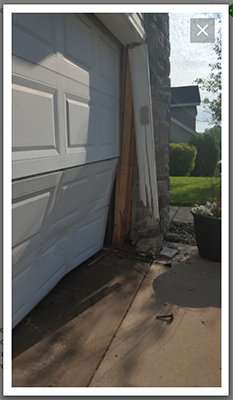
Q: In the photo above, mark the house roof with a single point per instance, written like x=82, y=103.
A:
x=185, y=96
x=183, y=126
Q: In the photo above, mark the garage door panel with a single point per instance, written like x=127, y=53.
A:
x=29, y=185
x=62, y=121
x=99, y=114
x=85, y=189
x=79, y=42
x=66, y=145
x=90, y=56
x=70, y=45
x=49, y=284
x=101, y=184
x=80, y=117
x=72, y=198
x=23, y=288
x=25, y=248
x=20, y=297
x=88, y=237
x=109, y=65
x=27, y=216
x=51, y=268
x=31, y=132
x=33, y=203
x=74, y=146
x=35, y=30
x=109, y=125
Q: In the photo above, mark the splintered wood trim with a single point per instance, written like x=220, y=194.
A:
x=130, y=177
x=144, y=131
x=124, y=176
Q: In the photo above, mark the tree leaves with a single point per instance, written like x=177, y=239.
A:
x=214, y=84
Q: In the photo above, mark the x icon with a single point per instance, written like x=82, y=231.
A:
x=202, y=30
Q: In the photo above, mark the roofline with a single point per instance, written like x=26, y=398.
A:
x=185, y=104
x=183, y=126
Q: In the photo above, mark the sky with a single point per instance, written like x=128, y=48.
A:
x=191, y=60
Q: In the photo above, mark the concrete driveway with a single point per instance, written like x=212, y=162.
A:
x=98, y=327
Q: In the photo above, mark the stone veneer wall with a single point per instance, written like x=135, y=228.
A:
x=142, y=226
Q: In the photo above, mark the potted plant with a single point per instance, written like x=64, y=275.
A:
x=207, y=226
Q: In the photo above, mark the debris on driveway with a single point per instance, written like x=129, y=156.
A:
x=103, y=254
x=171, y=316
x=168, y=252
x=149, y=246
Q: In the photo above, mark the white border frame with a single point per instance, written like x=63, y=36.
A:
x=8, y=9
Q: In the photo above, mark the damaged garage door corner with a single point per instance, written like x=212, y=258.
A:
x=137, y=124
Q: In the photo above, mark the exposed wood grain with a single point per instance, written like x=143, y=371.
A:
x=125, y=167
x=130, y=177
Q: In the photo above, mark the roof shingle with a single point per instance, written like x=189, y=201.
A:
x=182, y=95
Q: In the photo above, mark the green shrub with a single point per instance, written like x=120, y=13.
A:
x=207, y=154
x=182, y=159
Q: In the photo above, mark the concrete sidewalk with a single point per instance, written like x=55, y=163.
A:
x=181, y=214
x=98, y=327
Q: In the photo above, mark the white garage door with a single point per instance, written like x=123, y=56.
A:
x=66, y=72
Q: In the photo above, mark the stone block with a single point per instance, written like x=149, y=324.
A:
x=165, y=224
x=163, y=187
x=168, y=252
x=149, y=246
x=141, y=226
x=164, y=212
x=154, y=231
x=162, y=95
x=143, y=234
x=173, y=237
x=161, y=110
x=164, y=200
x=164, y=133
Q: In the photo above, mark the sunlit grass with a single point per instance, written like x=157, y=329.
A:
x=187, y=191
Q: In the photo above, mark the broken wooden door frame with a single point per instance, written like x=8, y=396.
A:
x=129, y=29
x=137, y=123
x=124, y=176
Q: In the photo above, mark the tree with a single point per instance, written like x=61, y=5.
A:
x=216, y=131
x=207, y=154
x=214, y=83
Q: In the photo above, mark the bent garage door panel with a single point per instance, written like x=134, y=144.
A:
x=65, y=147
x=75, y=87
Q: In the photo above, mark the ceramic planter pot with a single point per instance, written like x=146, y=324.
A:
x=208, y=236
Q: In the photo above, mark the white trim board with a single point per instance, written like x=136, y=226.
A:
x=139, y=68
x=124, y=27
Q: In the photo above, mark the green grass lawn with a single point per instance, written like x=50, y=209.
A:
x=188, y=190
